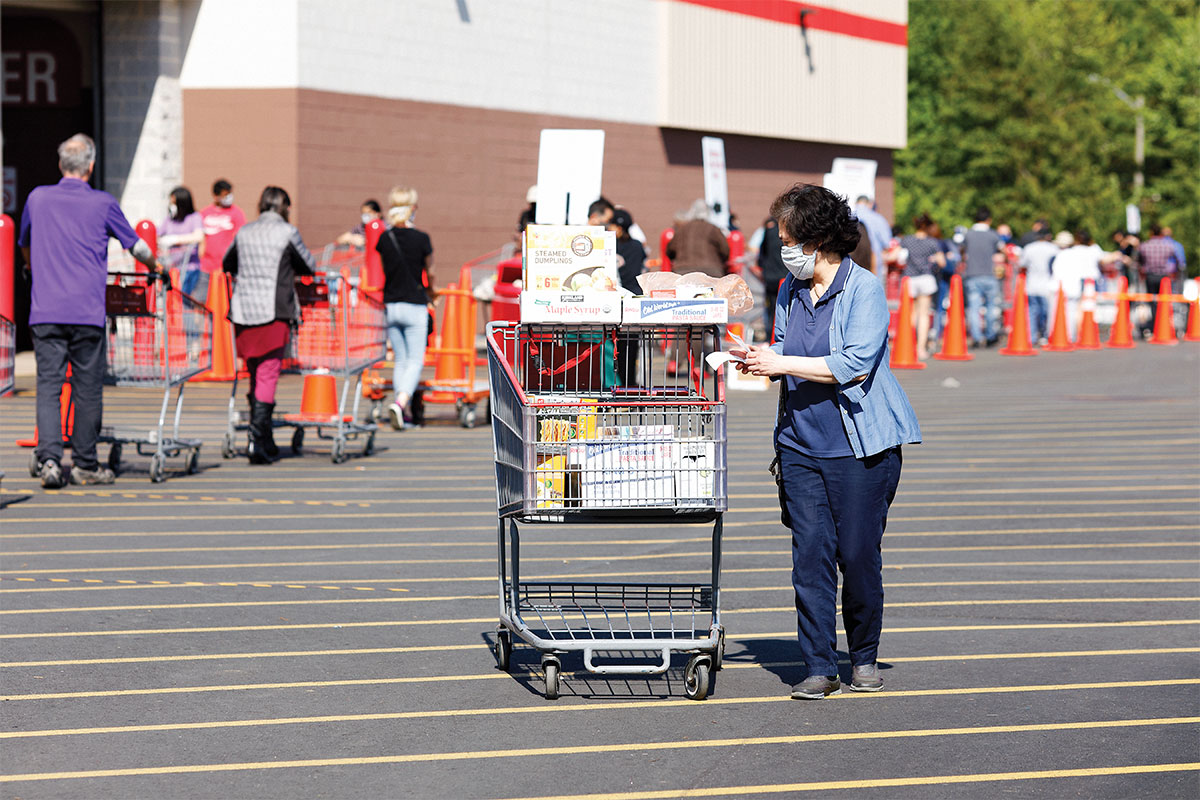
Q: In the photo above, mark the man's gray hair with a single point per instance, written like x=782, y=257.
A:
x=76, y=154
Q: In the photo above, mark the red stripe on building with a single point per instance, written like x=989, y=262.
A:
x=820, y=18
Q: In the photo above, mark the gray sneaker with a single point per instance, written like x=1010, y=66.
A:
x=51, y=474
x=86, y=477
x=866, y=679
x=816, y=687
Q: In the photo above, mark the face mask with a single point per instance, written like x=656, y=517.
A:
x=172, y=210
x=227, y=200
x=802, y=265
x=367, y=219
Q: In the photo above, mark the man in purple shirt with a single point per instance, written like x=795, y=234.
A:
x=64, y=237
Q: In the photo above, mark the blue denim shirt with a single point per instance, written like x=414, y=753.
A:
x=875, y=411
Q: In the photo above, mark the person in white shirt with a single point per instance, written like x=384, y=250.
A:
x=1036, y=260
x=1073, y=267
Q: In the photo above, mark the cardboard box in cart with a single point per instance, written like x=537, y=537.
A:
x=569, y=258
x=674, y=311
x=635, y=467
x=695, y=471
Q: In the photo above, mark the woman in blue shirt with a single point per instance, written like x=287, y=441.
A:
x=843, y=418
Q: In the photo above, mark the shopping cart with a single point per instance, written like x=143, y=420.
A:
x=157, y=337
x=8, y=355
x=572, y=445
x=341, y=332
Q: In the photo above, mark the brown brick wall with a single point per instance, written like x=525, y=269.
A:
x=471, y=166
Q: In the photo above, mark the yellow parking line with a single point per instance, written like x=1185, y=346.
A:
x=494, y=675
x=491, y=598
x=487, y=620
x=877, y=783
x=578, y=707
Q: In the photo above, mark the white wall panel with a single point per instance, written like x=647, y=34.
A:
x=582, y=58
x=740, y=74
x=243, y=44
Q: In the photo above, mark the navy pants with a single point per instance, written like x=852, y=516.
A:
x=839, y=509
x=83, y=346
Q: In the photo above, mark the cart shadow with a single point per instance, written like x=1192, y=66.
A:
x=6, y=501
x=575, y=681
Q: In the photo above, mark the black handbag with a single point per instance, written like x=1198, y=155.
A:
x=776, y=466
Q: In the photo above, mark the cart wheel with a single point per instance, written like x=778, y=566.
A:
x=158, y=468
x=695, y=678
x=503, y=649
x=297, y=441
x=193, y=462
x=468, y=416
x=369, y=447
x=551, y=667
x=338, y=453
x=719, y=653
x=418, y=407
x=33, y=465
x=114, y=457
x=227, y=448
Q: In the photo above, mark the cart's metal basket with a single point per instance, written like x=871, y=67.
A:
x=572, y=442
x=342, y=329
x=157, y=336
x=8, y=355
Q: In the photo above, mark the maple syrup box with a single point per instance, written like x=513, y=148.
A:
x=545, y=305
x=569, y=258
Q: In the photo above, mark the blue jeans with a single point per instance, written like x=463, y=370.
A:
x=983, y=293
x=839, y=509
x=407, y=325
x=1039, y=315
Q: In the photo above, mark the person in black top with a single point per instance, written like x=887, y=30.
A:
x=407, y=289
x=631, y=262
x=770, y=264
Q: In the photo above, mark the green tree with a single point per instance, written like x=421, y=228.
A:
x=1012, y=106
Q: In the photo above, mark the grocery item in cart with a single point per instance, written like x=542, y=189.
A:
x=572, y=258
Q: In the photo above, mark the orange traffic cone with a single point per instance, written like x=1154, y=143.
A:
x=954, y=338
x=904, y=347
x=318, y=398
x=1088, y=337
x=1018, y=339
x=1059, y=341
x=1121, y=333
x=1164, y=317
x=222, y=336
x=1193, y=329
x=450, y=364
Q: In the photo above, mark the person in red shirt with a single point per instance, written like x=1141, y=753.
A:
x=222, y=220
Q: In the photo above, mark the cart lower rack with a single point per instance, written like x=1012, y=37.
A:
x=591, y=425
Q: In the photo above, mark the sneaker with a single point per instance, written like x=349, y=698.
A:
x=85, y=477
x=866, y=679
x=816, y=687
x=396, y=415
x=51, y=474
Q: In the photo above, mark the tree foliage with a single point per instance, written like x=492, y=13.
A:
x=1012, y=105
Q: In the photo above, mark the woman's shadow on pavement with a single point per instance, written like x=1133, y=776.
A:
x=781, y=657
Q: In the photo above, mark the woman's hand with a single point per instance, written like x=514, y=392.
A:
x=761, y=360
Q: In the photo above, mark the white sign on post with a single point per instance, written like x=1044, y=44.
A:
x=1133, y=219
x=852, y=178
x=570, y=165
x=716, y=189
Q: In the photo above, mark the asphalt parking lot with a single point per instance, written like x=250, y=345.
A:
x=311, y=629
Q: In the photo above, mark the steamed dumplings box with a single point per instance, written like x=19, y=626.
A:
x=569, y=258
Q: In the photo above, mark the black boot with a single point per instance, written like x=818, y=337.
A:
x=260, y=423
x=269, y=446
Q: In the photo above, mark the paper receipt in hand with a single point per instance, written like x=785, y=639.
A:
x=716, y=360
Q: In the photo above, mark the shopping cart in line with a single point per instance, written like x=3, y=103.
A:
x=157, y=337
x=8, y=355
x=573, y=445
x=342, y=331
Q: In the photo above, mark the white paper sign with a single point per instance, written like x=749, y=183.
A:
x=716, y=188
x=570, y=166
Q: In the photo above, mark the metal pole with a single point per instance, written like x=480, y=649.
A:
x=1139, y=147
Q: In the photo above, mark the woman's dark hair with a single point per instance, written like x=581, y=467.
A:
x=922, y=223
x=373, y=205
x=184, y=206
x=813, y=214
x=221, y=185
x=1084, y=237
x=275, y=199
